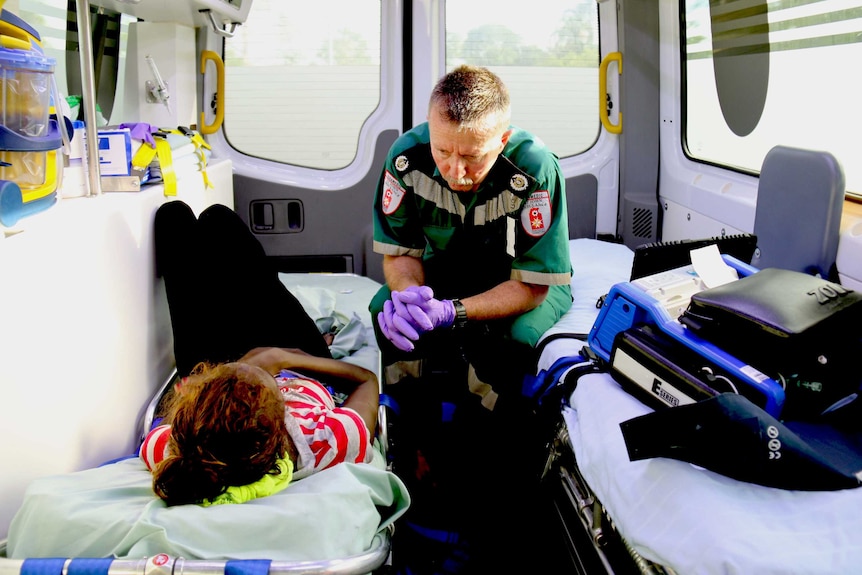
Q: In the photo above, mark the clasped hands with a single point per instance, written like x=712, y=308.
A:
x=410, y=313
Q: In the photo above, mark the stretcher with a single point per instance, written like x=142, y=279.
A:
x=662, y=515
x=107, y=520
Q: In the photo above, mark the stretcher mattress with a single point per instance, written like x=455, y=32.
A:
x=111, y=511
x=596, y=266
x=673, y=513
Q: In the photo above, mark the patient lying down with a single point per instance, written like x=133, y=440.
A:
x=242, y=430
x=243, y=423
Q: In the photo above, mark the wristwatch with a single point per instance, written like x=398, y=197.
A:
x=460, y=314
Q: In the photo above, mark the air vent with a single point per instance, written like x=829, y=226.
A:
x=642, y=223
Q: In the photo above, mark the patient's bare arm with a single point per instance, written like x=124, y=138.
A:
x=360, y=384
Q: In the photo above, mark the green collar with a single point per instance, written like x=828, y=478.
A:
x=266, y=485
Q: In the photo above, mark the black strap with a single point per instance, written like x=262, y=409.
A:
x=540, y=347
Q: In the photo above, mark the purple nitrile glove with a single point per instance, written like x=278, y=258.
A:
x=410, y=304
x=391, y=325
x=415, y=295
x=141, y=131
x=422, y=311
x=441, y=312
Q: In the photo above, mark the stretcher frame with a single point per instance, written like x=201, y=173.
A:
x=594, y=544
x=163, y=564
x=592, y=541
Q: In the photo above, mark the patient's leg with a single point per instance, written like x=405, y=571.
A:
x=255, y=309
x=178, y=256
x=223, y=296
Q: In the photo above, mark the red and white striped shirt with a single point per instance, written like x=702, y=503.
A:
x=324, y=434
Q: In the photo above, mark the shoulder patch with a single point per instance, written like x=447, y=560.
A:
x=518, y=182
x=393, y=193
x=536, y=213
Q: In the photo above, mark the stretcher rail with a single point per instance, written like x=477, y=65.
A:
x=163, y=564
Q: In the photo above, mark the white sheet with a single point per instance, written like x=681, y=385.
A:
x=689, y=519
x=696, y=521
x=326, y=294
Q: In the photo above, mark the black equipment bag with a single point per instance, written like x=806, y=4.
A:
x=802, y=331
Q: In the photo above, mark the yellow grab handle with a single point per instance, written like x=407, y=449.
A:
x=214, y=127
x=603, y=92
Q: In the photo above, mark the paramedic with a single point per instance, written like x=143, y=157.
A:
x=242, y=430
x=470, y=216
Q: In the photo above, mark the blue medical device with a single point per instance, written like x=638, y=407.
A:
x=628, y=306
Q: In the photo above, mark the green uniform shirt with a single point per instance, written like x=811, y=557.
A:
x=514, y=227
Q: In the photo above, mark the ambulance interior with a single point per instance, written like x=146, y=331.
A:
x=87, y=340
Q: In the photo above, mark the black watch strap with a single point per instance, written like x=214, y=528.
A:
x=460, y=314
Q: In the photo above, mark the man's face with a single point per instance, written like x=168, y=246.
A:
x=464, y=157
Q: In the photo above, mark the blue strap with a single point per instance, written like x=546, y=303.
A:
x=46, y=566
x=90, y=566
x=389, y=402
x=440, y=535
x=536, y=386
x=247, y=567
x=447, y=411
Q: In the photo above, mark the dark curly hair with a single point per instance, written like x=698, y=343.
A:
x=227, y=429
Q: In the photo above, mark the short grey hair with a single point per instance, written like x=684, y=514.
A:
x=474, y=98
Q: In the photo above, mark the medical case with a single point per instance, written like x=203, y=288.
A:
x=800, y=329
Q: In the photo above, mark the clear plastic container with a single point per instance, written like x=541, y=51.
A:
x=25, y=91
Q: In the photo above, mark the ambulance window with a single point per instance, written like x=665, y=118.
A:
x=547, y=52
x=770, y=73
x=301, y=79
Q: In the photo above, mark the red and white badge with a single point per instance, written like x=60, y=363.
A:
x=536, y=213
x=393, y=193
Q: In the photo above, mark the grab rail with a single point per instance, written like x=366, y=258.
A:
x=205, y=128
x=603, y=92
